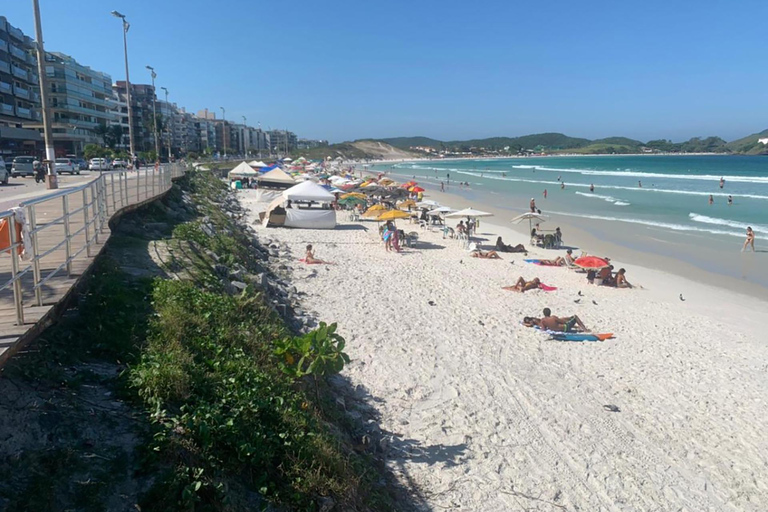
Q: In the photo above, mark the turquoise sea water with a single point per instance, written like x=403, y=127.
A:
x=655, y=198
x=674, y=194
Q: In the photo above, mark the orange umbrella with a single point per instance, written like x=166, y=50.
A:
x=416, y=189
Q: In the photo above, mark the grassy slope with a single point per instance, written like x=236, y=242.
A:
x=215, y=423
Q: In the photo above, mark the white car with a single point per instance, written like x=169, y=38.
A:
x=99, y=164
x=4, y=174
x=119, y=163
x=66, y=165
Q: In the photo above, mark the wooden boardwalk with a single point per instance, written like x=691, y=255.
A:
x=90, y=208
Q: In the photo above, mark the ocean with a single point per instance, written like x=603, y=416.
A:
x=657, y=198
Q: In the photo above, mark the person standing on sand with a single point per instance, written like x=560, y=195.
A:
x=545, y=193
x=640, y=184
x=750, y=241
x=711, y=199
x=442, y=187
x=533, y=205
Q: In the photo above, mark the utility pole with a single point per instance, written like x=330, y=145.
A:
x=50, y=153
x=246, y=130
x=154, y=112
x=126, y=26
x=223, y=131
x=170, y=125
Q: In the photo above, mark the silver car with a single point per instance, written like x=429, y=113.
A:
x=24, y=166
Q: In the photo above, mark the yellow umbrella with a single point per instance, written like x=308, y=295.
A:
x=358, y=195
x=373, y=213
x=376, y=207
x=406, y=204
x=393, y=214
x=385, y=181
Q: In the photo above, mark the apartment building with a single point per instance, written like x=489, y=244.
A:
x=19, y=93
x=142, y=96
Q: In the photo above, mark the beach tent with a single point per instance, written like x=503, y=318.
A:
x=257, y=164
x=277, y=176
x=298, y=217
x=287, y=159
x=242, y=170
x=441, y=210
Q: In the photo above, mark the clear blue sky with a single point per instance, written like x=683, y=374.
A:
x=446, y=69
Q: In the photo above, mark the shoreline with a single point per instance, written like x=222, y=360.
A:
x=619, y=250
x=477, y=407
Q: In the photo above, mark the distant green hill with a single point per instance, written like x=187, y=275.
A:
x=560, y=143
x=749, y=144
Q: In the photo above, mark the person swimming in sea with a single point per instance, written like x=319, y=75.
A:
x=711, y=199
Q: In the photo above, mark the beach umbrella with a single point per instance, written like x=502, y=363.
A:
x=530, y=216
x=469, y=212
x=377, y=207
x=357, y=195
x=393, y=214
x=427, y=203
x=441, y=210
x=416, y=189
x=591, y=263
x=373, y=214
x=408, y=185
x=349, y=201
x=405, y=204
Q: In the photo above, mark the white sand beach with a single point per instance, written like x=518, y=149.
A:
x=488, y=415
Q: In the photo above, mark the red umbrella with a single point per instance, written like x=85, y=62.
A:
x=591, y=263
x=416, y=189
x=408, y=185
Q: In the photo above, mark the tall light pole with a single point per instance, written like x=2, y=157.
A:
x=154, y=112
x=245, y=130
x=170, y=125
x=223, y=130
x=50, y=153
x=126, y=26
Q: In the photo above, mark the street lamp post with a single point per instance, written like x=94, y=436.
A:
x=50, y=153
x=245, y=130
x=170, y=125
x=154, y=112
x=223, y=131
x=126, y=26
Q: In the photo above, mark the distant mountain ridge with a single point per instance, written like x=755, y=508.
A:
x=558, y=142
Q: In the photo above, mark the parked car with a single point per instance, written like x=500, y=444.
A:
x=66, y=165
x=24, y=166
x=8, y=164
x=99, y=164
x=4, y=174
x=82, y=164
x=122, y=164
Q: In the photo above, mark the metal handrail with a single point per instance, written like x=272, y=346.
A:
x=82, y=225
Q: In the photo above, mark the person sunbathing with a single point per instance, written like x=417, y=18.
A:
x=523, y=286
x=489, y=255
x=310, y=259
x=564, y=324
x=502, y=247
x=621, y=279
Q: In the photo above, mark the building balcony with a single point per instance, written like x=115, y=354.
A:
x=21, y=92
x=18, y=53
x=7, y=110
x=5, y=66
x=5, y=87
x=20, y=73
x=24, y=112
x=3, y=45
x=15, y=32
x=33, y=78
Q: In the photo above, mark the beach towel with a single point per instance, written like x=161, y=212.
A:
x=542, y=263
x=547, y=288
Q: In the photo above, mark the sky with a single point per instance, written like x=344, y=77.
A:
x=450, y=70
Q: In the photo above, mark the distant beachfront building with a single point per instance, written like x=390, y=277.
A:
x=141, y=108
x=80, y=99
x=763, y=141
x=19, y=96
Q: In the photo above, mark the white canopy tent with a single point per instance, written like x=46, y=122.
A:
x=308, y=191
x=277, y=176
x=242, y=170
x=295, y=217
x=257, y=163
